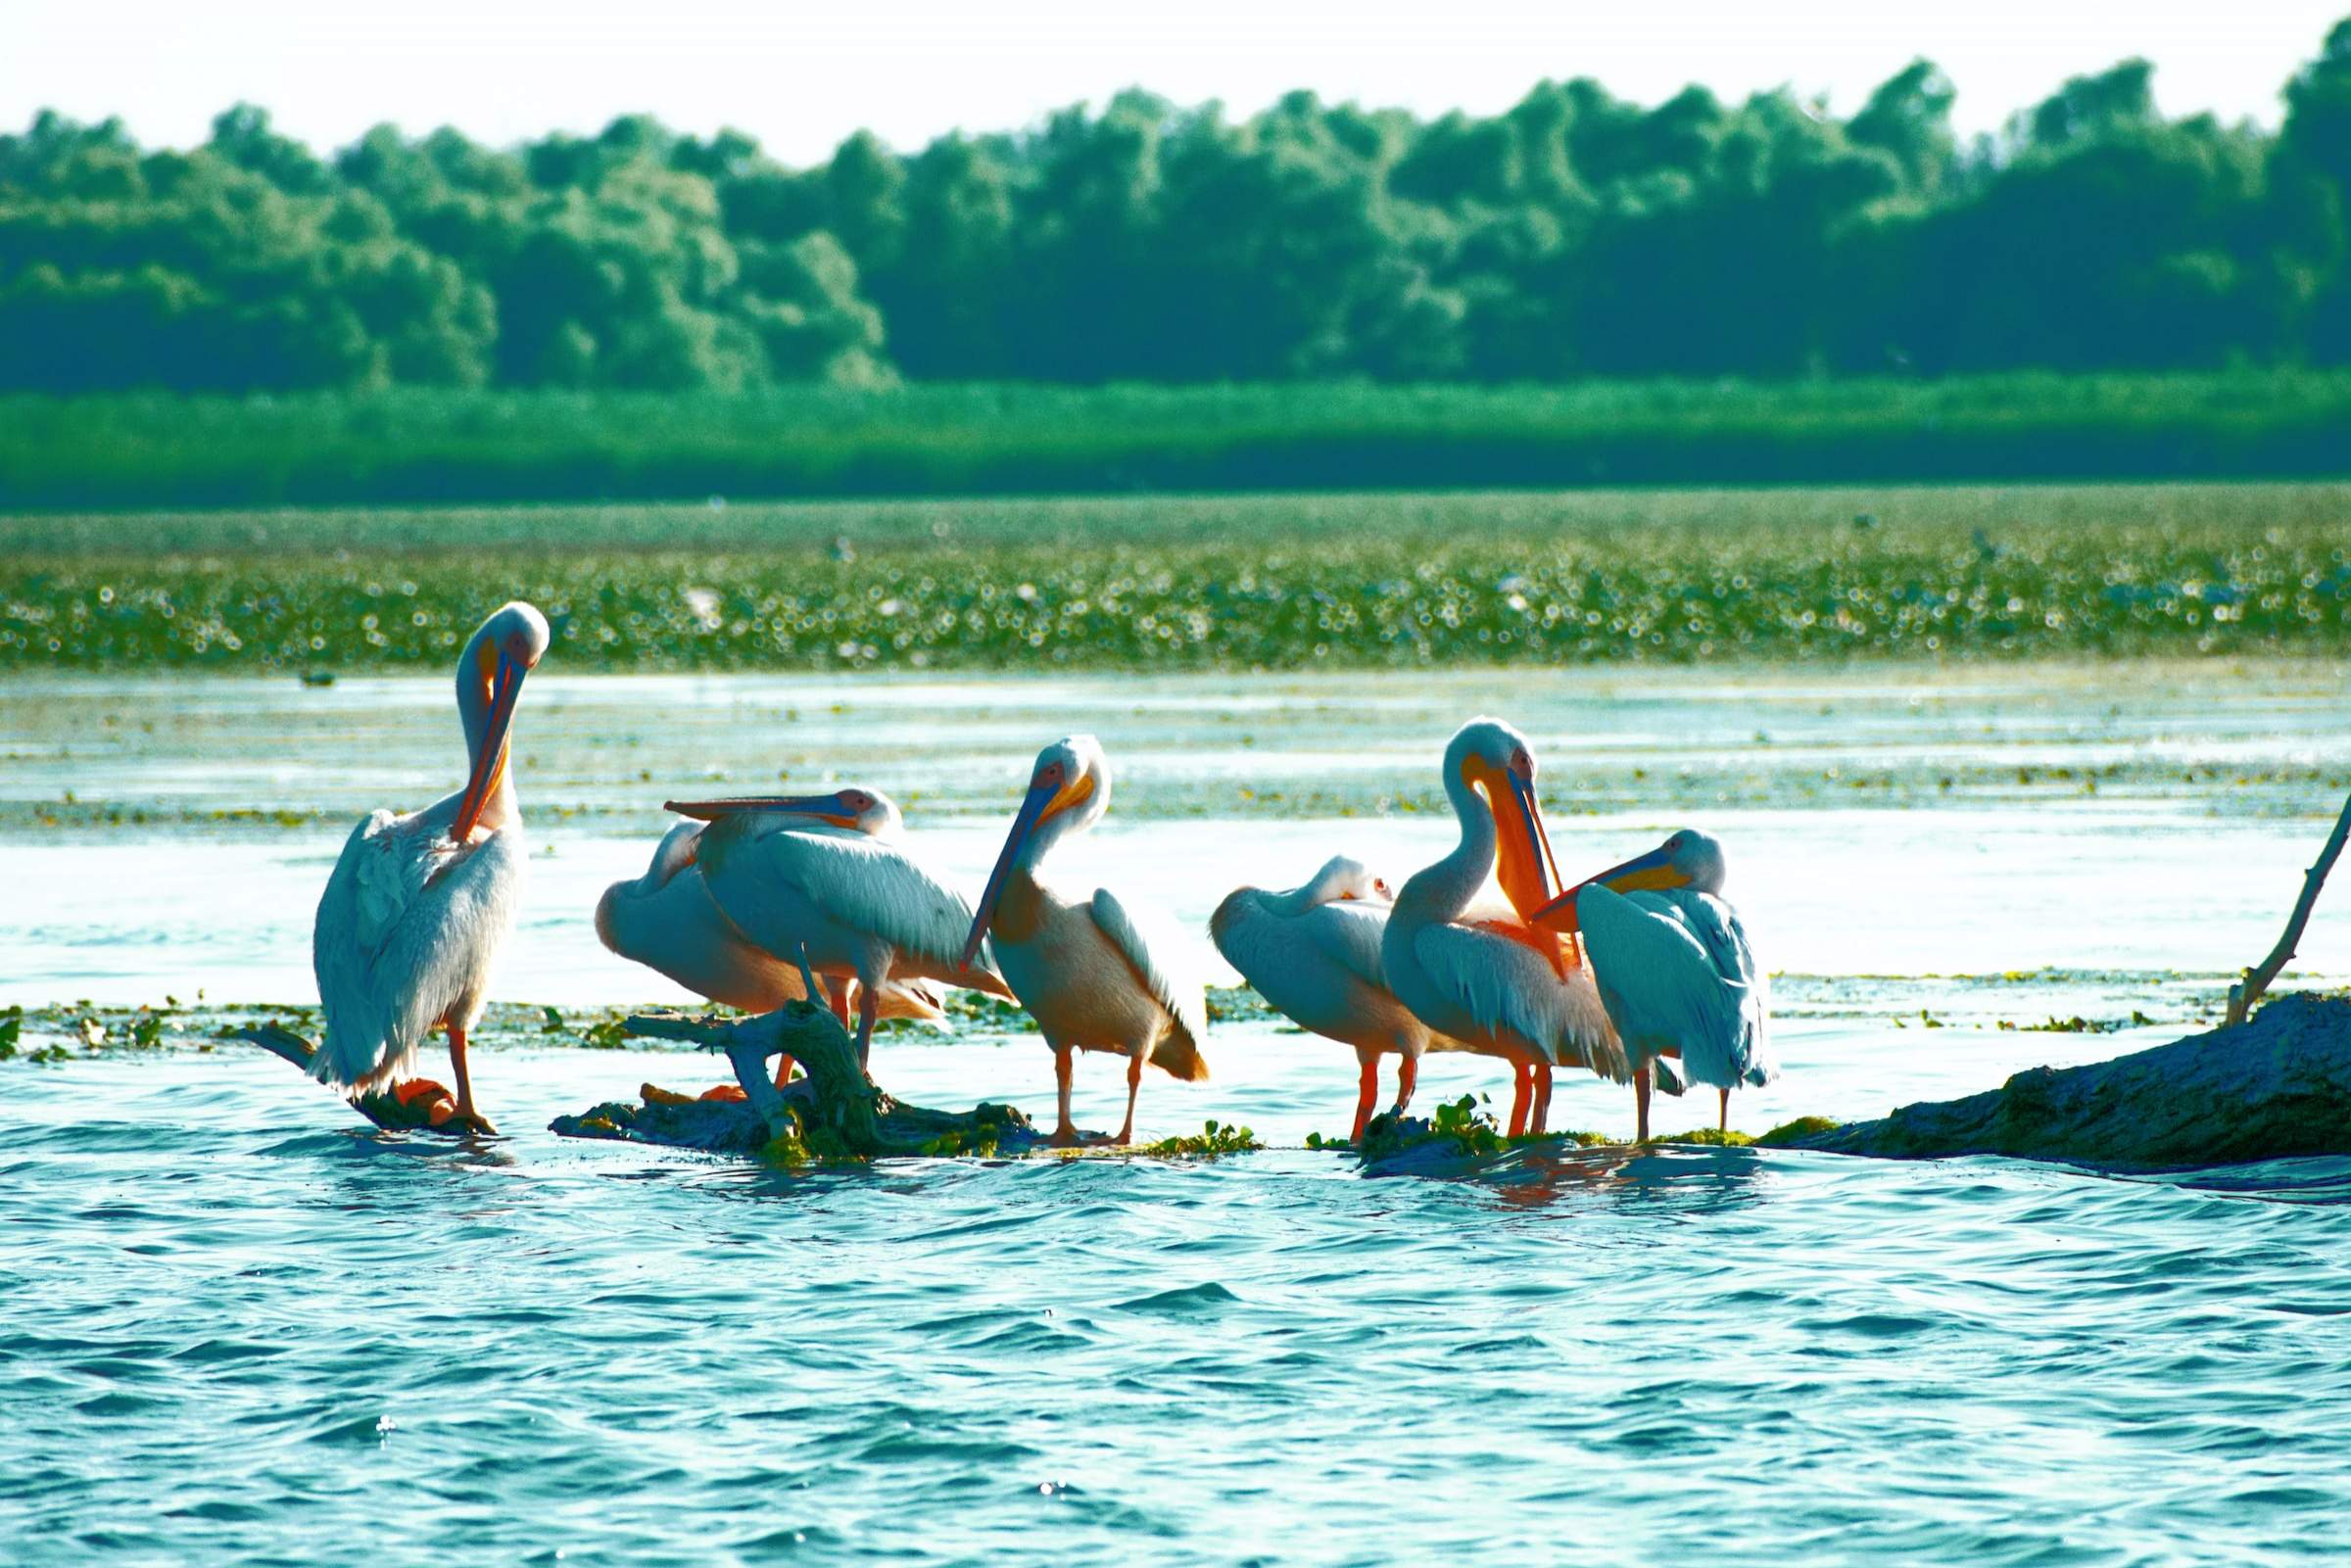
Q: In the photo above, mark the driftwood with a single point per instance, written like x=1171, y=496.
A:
x=835, y=1112
x=2275, y=1088
x=2247, y=991
x=428, y=1107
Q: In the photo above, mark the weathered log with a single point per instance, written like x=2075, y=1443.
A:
x=428, y=1107
x=2277, y=1087
x=833, y=1113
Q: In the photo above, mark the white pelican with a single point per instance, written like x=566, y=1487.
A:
x=1312, y=953
x=824, y=875
x=1496, y=985
x=419, y=905
x=1083, y=971
x=1674, y=968
x=667, y=920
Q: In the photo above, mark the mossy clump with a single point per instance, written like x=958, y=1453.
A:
x=981, y=1140
x=807, y=1144
x=1213, y=1138
x=1458, y=1122
x=1708, y=1137
x=1573, y=1137
x=1788, y=1132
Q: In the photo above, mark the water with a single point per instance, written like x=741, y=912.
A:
x=237, y=1326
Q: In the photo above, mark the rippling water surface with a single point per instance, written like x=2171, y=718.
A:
x=236, y=1326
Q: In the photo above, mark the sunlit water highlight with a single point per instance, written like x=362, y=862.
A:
x=238, y=1326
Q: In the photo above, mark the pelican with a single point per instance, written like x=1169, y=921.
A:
x=1498, y=986
x=667, y=920
x=825, y=874
x=1083, y=971
x=1674, y=968
x=418, y=906
x=1312, y=953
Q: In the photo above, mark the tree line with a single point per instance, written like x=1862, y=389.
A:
x=1573, y=235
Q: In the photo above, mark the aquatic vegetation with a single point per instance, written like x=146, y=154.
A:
x=1213, y=1138
x=1710, y=1137
x=1264, y=582
x=11, y=1036
x=2077, y=1024
x=606, y=1033
x=1460, y=1123
x=1788, y=1132
x=977, y=1140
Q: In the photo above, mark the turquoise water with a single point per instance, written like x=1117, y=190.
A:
x=238, y=1329
x=238, y=1326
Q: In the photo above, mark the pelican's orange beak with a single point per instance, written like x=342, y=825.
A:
x=1523, y=863
x=1046, y=797
x=825, y=808
x=1651, y=871
x=490, y=764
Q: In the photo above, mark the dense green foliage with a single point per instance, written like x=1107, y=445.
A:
x=1575, y=234
x=1238, y=581
x=450, y=445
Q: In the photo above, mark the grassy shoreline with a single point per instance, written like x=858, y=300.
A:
x=413, y=445
x=1258, y=582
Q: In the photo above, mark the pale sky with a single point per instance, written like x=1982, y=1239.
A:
x=801, y=76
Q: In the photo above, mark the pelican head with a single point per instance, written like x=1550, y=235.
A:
x=855, y=809
x=1069, y=790
x=1687, y=859
x=1344, y=881
x=508, y=647
x=1490, y=757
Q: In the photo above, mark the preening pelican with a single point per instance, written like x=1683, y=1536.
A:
x=825, y=874
x=667, y=920
x=1083, y=971
x=1674, y=968
x=1312, y=953
x=419, y=905
x=1498, y=986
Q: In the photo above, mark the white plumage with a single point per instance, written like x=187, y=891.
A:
x=1675, y=969
x=419, y=905
x=1086, y=971
x=1312, y=953
x=1487, y=980
x=405, y=940
x=667, y=920
x=855, y=902
x=1185, y=998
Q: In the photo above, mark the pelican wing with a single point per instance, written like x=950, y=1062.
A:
x=1257, y=941
x=1185, y=1000
x=1349, y=935
x=1503, y=983
x=862, y=884
x=1675, y=970
x=405, y=930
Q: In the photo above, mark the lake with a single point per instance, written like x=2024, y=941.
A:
x=239, y=1323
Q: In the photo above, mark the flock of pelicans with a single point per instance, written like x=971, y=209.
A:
x=1641, y=973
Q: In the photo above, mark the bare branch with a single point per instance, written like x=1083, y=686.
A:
x=2246, y=992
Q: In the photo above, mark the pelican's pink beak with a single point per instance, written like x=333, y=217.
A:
x=826, y=806
x=490, y=764
x=1041, y=795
